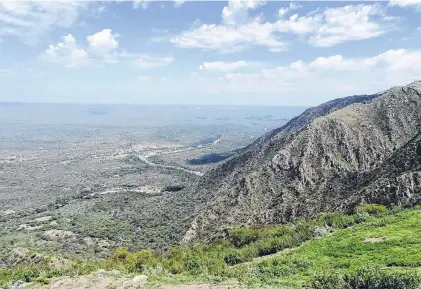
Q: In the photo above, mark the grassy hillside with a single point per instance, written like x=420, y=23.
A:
x=374, y=248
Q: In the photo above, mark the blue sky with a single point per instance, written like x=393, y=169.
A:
x=214, y=52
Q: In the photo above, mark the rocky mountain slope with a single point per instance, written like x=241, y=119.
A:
x=332, y=157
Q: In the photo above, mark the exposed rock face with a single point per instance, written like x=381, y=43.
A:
x=332, y=157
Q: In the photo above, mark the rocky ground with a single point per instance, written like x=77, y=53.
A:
x=102, y=279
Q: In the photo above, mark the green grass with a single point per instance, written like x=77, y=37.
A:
x=345, y=251
x=384, y=243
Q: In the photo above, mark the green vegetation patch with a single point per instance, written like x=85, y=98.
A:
x=373, y=248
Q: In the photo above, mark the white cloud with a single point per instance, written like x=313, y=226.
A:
x=236, y=32
x=333, y=26
x=285, y=10
x=102, y=9
x=146, y=61
x=230, y=38
x=336, y=62
x=419, y=28
x=353, y=22
x=30, y=20
x=295, y=6
x=397, y=60
x=103, y=43
x=320, y=79
x=144, y=4
x=178, y=3
x=67, y=53
x=405, y=3
x=223, y=66
x=322, y=28
x=236, y=13
x=102, y=49
x=144, y=78
x=391, y=61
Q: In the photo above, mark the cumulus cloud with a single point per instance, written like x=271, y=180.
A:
x=223, y=66
x=397, y=60
x=103, y=43
x=405, y=3
x=67, y=53
x=322, y=78
x=31, y=20
x=322, y=28
x=333, y=26
x=353, y=22
x=236, y=13
x=102, y=49
x=230, y=38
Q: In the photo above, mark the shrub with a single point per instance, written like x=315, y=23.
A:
x=134, y=262
x=303, y=232
x=368, y=278
x=243, y=236
x=234, y=258
x=373, y=209
x=272, y=245
x=193, y=266
x=329, y=281
x=337, y=220
x=374, y=278
x=249, y=252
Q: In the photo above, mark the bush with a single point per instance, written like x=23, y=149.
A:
x=373, y=209
x=272, y=245
x=374, y=278
x=368, y=278
x=134, y=262
x=234, y=258
x=329, y=281
x=337, y=220
x=243, y=236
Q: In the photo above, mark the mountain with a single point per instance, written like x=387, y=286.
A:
x=332, y=157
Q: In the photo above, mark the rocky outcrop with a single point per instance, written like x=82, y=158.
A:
x=332, y=157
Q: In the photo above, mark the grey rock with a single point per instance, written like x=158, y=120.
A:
x=19, y=285
x=321, y=231
x=140, y=279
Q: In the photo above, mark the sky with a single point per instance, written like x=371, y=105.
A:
x=209, y=52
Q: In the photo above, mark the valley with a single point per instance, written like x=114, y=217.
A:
x=313, y=201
